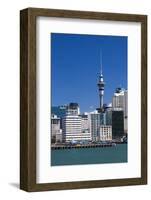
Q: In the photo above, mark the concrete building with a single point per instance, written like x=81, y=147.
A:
x=118, y=99
x=78, y=137
x=56, y=133
x=75, y=127
x=105, y=133
x=59, y=137
x=71, y=126
x=95, y=126
x=72, y=129
x=73, y=109
x=85, y=122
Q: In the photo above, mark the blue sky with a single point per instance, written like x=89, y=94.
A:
x=75, y=62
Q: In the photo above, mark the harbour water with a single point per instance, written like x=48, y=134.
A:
x=115, y=154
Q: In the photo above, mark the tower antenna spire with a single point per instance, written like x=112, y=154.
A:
x=101, y=84
x=101, y=61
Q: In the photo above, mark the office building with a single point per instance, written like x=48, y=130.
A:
x=120, y=102
x=126, y=112
x=73, y=109
x=108, y=117
x=72, y=129
x=56, y=133
x=103, y=118
x=118, y=99
x=95, y=126
x=117, y=124
x=85, y=122
x=60, y=111
x=105, y=133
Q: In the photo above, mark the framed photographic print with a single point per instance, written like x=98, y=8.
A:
x=83, y=99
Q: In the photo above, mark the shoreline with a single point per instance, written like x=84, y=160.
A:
x=62, y=146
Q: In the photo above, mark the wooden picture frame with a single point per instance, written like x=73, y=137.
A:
x=28, y=98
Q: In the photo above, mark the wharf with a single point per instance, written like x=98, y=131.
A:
x=59, y=146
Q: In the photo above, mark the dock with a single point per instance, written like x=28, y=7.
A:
x=60, y=146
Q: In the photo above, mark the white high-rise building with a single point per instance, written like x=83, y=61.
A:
x=72, y=129
x=119, y=100
x=75, y=127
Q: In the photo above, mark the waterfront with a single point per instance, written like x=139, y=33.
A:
x=115, y=154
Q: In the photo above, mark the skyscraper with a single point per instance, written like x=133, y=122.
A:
x=72, y=125
x=120, y=103
x=73, y=109
x=117, y=124
x=118, y=99
x=95, y=126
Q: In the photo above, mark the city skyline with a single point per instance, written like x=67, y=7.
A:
x=88, y=70
x=75, y=80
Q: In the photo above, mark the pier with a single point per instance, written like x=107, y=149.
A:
x=60, y=146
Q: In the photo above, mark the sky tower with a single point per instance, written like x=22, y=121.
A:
x=101, y=86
